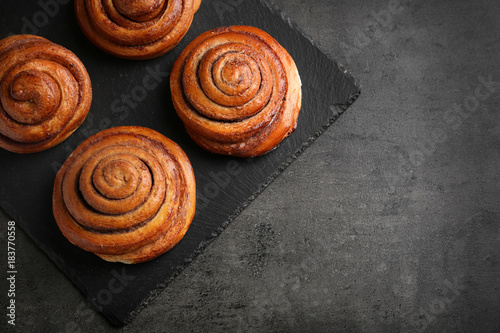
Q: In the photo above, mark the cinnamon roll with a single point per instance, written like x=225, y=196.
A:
x=135, y=29
x=237, y=91
x=126, y=194
x=45, y=93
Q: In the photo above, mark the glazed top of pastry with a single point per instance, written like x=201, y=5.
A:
x=45, y=93
x=237, y=90
x=134, y=29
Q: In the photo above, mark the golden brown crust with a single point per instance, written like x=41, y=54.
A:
x=237, y=90
x=45, y=93
x=126, y=194
x=133, y=29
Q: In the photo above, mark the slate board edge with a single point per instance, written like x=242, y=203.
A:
x=341, y=108
x=271, y=6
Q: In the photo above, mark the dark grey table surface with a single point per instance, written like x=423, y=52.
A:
x=388, y=222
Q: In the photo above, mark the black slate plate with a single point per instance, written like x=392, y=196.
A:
x=225, y=185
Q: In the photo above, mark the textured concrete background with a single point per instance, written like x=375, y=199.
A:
x=389, y=222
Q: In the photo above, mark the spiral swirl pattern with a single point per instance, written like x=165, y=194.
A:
x=237, y=91
x=45, y=93
x=126, y=194
x=135, y=29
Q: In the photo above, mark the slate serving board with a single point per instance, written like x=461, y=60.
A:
x=225, y=185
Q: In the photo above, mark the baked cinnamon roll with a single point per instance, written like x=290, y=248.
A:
x=135, y=29
x=126, y=194
x=45, y=93
x=237, y=91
